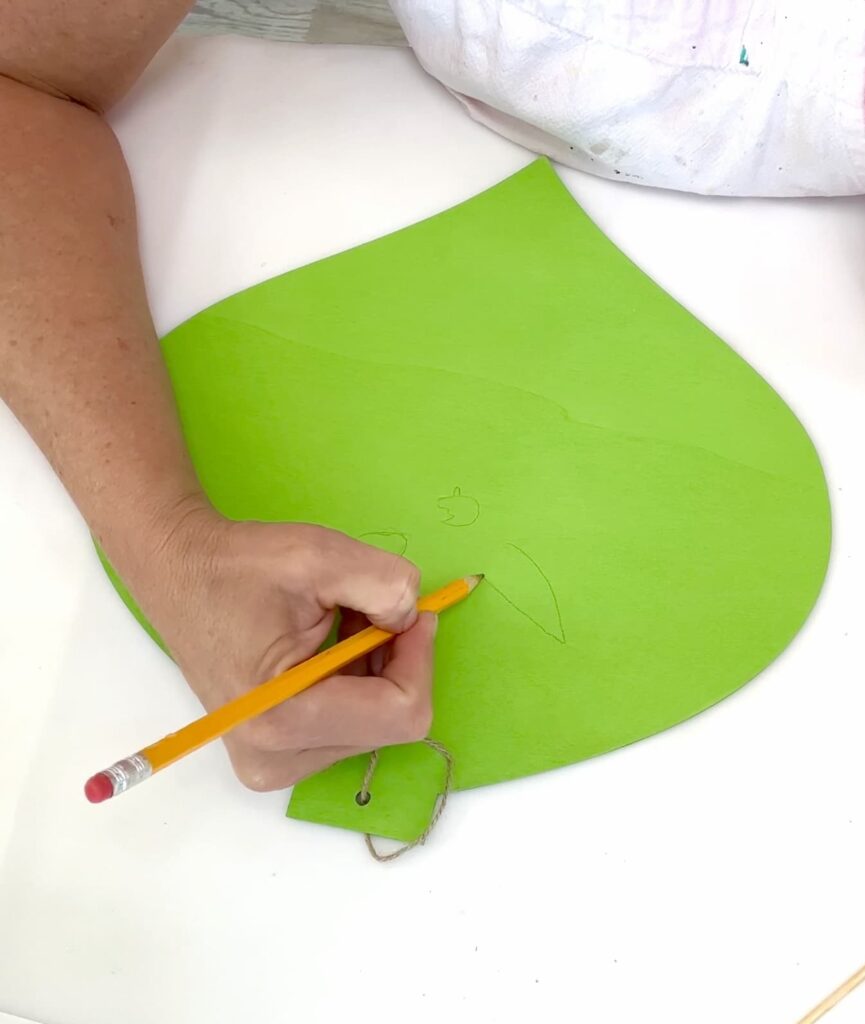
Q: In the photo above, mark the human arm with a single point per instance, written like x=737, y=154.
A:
x=81, y=369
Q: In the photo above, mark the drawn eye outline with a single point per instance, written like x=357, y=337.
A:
x=557, y=629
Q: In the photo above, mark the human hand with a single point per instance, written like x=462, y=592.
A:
x=237, y=603
x=81, y=367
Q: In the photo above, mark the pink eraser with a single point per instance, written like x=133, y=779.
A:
x=99, y=788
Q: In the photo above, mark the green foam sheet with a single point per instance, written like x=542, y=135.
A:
x=499, y=389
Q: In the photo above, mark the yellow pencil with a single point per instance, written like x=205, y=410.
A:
x=132, y=770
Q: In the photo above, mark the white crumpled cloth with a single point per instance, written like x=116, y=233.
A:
x=713, y=96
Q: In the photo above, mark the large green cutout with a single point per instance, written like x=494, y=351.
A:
x=499, y=389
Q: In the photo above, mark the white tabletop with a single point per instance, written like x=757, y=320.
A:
x=709, y=874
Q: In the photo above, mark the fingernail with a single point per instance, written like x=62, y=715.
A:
x=435, y=623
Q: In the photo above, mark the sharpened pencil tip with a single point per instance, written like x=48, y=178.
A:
x=473, y=581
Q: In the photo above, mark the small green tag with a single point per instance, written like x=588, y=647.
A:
x=403, y=793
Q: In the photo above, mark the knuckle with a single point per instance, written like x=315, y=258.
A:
x=402, y=581
x=303, y=562
x=415, y=720
x=410, y=576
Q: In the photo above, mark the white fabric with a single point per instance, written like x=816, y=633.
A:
x=298, y=21
x=659, y=91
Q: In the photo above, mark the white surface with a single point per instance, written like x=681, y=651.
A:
x=710, y=874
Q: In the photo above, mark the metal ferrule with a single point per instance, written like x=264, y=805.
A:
x=129, y=772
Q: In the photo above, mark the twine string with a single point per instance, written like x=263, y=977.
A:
x=364, y=796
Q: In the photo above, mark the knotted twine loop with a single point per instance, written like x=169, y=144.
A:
x=364, y=796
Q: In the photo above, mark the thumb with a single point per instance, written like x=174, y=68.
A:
x=383, y=586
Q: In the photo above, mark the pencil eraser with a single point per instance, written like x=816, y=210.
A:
x=99, y=788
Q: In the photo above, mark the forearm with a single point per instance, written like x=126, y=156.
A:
x=79, y=362
x=80, y=366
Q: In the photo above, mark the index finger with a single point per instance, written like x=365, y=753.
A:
x=351, y=574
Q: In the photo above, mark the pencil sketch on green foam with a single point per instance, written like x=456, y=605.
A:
x=498, y=389
x=512, y=572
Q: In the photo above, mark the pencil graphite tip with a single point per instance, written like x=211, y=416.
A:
x=473, y=581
